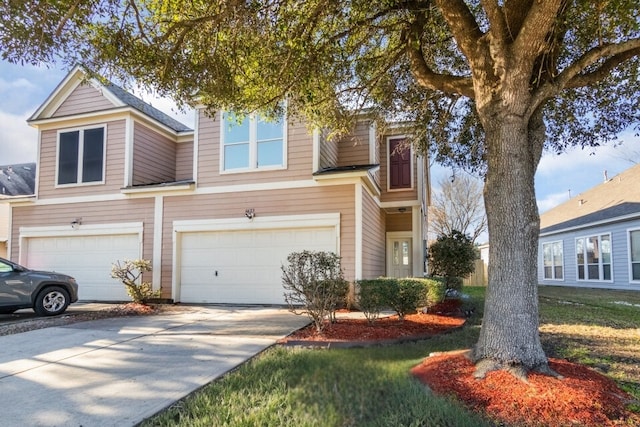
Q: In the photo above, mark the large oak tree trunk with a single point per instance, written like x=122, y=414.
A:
x=509, y=337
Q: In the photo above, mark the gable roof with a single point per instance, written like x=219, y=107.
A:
x=115, y=94
x=617, y=198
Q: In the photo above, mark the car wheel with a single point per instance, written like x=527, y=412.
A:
x=51, y=301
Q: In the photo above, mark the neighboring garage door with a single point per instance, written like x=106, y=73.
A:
x=88, y=259
x=243, y=267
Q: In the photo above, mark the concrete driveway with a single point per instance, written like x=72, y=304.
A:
x=119, y=371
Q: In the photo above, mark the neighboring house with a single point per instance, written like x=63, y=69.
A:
x=216, y=209
x=15, y=181
x=593, y=240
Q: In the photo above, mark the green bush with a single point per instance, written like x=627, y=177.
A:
x=371, y=297
x=452, y=257
x=314, y=285
x=436, y=290
x=404, y=296
x=129, y=272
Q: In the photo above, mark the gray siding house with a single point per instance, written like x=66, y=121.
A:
x=593, y=240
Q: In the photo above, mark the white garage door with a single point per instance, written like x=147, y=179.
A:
x=243, y=267
x=88, y=259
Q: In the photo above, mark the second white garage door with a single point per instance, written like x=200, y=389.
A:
x=88, y=259
x=243, y=267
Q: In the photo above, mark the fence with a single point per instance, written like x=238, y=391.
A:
x=479, y=277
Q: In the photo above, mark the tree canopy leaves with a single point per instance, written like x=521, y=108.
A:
x=410, y=61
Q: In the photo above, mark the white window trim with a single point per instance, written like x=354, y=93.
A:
x=600, y=271
x=253, y=147
x=553, y=271
x=388, y=154
x=81, y=130
x=630, y=266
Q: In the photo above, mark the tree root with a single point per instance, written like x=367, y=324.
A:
x=518, y=370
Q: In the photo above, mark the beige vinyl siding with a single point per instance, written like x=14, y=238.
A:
x=354, y=149
x=373, y=238
x=329, y=199
x=399, y=221
x=84, y=98
x=184, y=160
x=132, y=210
x=114, y=166
x=299, y=157
x=154, y=156
x=328, y=152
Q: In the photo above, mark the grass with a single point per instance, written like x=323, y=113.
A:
x=372, y=386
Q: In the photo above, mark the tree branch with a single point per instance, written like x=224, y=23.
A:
x=532, y=38
x=463, y=25
x=425, y=76
x=570, y=77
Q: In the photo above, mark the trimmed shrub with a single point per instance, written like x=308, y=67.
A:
x=404, y=296
x=436, y=290
x=410, y=294
x=129, y=272
x=314, y=285
x=371, y=297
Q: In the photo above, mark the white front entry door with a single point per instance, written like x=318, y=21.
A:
x=399, y=253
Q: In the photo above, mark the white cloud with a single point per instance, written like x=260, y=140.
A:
x=20, y=83
x=18, y=141
x=551, y=201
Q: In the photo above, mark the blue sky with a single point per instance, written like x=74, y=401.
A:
x=24, y=88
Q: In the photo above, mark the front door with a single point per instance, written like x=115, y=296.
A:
x=399, y=253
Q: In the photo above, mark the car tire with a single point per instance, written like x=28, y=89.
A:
x=51, y=301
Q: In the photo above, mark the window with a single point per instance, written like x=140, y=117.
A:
x=634, y=254
x=552, y=260
x=400, y=176
x=81, y=156
x=252, y=143
x=593, y=256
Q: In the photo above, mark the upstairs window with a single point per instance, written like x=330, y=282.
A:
x=252, y=143
x=593, y=256
x=552, y=260
x=81, y=156
x=400, y=167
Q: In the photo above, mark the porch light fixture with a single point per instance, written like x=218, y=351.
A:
x=75, y=224
x=250, y=213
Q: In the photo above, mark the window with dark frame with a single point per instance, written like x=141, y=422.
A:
x=81, y=156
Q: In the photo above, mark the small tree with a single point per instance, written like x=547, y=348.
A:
x=129, y=273
x=452, y=257
x=314, y=285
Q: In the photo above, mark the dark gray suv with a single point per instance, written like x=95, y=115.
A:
x=46, y=292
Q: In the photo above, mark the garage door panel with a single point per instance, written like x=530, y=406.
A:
x=248, y=263
x=88, y=259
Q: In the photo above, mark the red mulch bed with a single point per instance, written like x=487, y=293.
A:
x=583, y=398
x=444, y=317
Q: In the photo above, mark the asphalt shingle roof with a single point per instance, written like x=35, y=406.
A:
x=18, y=179
x=617, y=197
x=135, y=102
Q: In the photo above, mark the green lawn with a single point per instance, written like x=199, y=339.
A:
x=372, y=386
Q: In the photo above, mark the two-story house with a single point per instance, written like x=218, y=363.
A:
x=217, y=208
